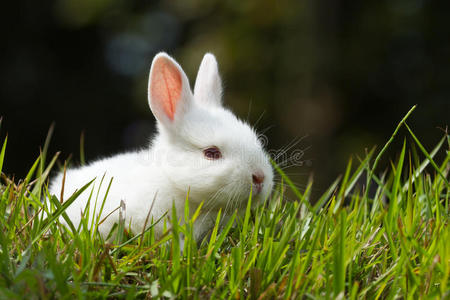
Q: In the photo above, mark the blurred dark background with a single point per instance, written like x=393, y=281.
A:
x=339, y=73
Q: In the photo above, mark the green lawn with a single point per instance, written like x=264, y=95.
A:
x=390, y=243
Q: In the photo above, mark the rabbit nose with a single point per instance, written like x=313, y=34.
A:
x=258, y=177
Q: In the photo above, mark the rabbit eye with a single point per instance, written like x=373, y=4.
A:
x=212, y=153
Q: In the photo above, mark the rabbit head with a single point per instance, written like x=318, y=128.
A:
x=202, y=146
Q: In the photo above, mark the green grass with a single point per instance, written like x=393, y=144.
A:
x=391, y=242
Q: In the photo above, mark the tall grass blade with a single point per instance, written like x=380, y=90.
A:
x=386, y=146
x=2, y=153
x=422, y=148
x=339, y=256
x=50, y=219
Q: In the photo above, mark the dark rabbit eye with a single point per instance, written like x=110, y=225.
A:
x=212, y=153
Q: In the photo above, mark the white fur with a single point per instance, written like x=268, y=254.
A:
x=174, y=163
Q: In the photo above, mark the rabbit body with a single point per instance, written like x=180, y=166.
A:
x=201, y=148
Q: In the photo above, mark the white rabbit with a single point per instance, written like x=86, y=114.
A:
x=200, y=147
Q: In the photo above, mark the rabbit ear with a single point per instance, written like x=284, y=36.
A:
x=169, y=93
x=208, y=85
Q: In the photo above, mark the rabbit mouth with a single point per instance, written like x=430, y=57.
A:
x=257, y=188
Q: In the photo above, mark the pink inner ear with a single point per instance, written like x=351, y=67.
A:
x=166, y=86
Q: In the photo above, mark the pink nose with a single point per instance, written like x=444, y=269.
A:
x=258, y=178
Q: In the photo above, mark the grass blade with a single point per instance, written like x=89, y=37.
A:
x=422, y=148
x=49, y=221
x=2, y=153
